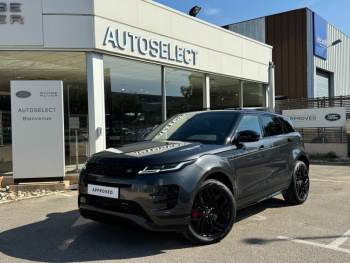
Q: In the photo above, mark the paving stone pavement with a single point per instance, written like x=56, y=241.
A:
x=49, y=229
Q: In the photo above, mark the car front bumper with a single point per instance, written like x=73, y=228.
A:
x=160, y=202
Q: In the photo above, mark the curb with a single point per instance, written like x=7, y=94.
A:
x=331, y=163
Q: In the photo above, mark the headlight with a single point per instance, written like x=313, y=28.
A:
x=165, y=167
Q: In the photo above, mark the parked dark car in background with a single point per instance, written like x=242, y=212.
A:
x=193, y=172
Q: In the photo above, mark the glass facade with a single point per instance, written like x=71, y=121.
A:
x=224, y=92
x=253, y=95
x=133, y=99
x=184, y=91
x=36, y=65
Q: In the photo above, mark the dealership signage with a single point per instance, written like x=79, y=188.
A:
x=37, y=130
x=21, y=23
x=314, y=118
x=127, y=40
x=13, y=7
x=320, y=36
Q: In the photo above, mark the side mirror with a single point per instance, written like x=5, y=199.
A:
x=247, y=136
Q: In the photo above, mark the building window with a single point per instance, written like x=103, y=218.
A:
x=224, y=92
x=253, y=95
x=133, y=99
x=184, y=91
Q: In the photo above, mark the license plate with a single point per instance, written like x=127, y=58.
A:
x=105, y=191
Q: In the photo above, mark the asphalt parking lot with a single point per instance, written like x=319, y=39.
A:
x=49, y=229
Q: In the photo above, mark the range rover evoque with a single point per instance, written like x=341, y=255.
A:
x=192, y=173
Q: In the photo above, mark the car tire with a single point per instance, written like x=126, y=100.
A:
x=298, y=190
x=212, y=215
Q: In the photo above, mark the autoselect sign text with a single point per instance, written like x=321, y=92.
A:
x=153, y=47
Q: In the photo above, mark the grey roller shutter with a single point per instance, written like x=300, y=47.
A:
x=322, y=83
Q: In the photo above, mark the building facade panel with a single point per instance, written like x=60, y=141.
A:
x=126, y=11
x=22, y=32
x=66, y=31
x=81, y=7
x=286, y=32
x=337, y=62
x=159, y=23
x=254, y=29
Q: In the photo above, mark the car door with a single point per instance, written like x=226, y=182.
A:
x=273, y=129
x=290, y=139
x=252, y=164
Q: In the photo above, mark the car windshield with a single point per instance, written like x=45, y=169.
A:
x=205, y=127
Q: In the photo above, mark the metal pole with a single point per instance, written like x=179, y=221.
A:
x=341, y=134
x=272, y=87
x=1, y=130
x=302, y=133
x=163, y=86
x=240, y=94
x=76, y=152
x=69, y=141
x=323, y=134
x=206, y=92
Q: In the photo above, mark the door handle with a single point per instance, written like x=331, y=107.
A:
x=290, y=140
x=262, y=146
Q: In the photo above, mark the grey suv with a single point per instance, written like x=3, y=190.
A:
x=193, y=172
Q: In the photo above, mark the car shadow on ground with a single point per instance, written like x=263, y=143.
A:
x=67, y=237
x=259, y=207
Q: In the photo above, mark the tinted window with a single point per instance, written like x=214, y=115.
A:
x=271, y=125
x=210, y=127
x=287, y=124
x=249, y=122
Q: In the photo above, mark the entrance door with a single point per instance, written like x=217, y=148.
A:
x=322, y=83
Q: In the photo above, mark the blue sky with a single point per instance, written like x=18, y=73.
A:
x=223, y=12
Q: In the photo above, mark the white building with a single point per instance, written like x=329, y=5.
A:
x=126, y=65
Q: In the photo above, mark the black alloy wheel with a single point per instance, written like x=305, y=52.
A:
x=302, y=181
x=298, y=190
x=213, y=213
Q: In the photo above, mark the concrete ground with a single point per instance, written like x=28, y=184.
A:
x=49, y=229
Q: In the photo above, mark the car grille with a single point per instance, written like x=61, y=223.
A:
x=113, y=170
x=117, y=205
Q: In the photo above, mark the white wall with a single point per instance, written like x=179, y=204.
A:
x=341, y=149
x=27, y=34
x=82, y=25
x=219, y=50
x=63, y=24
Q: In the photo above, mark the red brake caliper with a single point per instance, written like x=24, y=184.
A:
x=196, y=214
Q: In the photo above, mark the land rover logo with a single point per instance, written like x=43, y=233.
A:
x=23, y=94
x=332, y=117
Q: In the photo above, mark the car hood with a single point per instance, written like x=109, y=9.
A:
x=155, y=152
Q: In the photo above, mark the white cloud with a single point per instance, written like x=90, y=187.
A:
x=209, y=11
